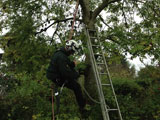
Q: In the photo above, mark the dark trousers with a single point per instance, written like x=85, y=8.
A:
x=76, y=88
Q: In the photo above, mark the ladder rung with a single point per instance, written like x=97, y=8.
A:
x=98, y=54
x=96, y=45
x=91, y=30
x=103, y=73
x=93, y=37
x=106, y=84
x=112, y=109
x=100, y=63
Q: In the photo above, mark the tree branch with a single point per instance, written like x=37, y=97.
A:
x=57, y=21
x=85, y=7
x=54, y=33
x=154, y=9
x=104, y=4
x=124, y=15
x=104, y=22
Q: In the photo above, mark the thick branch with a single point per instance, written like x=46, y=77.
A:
x=85, y=7
x=101, y=7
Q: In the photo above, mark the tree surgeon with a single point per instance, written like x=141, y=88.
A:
x=62, y=71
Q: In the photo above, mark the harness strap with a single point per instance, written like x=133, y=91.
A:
x=57, y=97
x=52, y=105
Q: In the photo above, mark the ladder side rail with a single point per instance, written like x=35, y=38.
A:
x=97, y=81
x=113, y=91
x=96, y=75
x=100, y=91
x=92, y=60
x=109, y=77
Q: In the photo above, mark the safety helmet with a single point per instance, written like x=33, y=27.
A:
x=72, y=45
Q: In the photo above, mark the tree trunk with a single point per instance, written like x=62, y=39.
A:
x=89, y=19
x=90, y=82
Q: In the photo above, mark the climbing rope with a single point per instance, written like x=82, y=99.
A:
x=92, y=99
x=95, y=101
x=74, y=19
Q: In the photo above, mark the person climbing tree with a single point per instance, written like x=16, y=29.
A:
x=62, y=71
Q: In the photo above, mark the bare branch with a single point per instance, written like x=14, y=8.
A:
x=104, y=22
x=57, y=21
x=124, y=15
x=54, y=33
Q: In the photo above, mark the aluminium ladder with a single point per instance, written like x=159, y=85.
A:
x=98, y=62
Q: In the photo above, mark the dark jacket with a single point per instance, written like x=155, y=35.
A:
x=61, y=67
